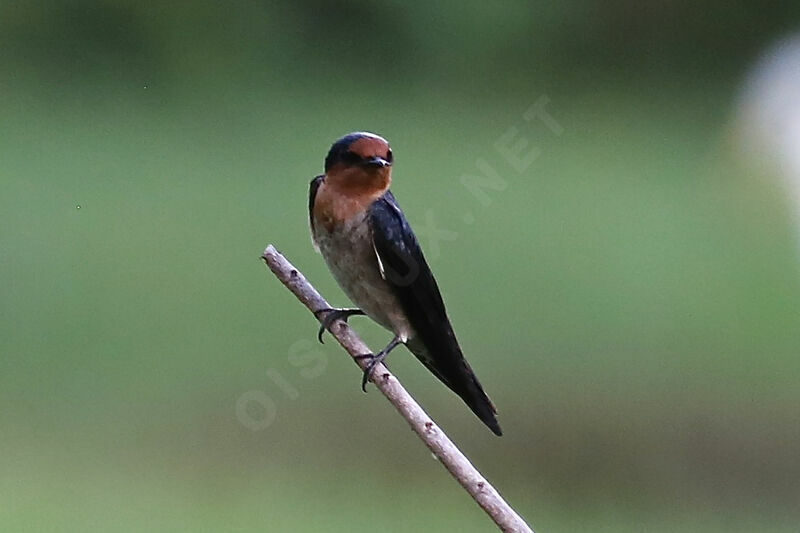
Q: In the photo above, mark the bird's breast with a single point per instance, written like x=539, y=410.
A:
x=349, y=252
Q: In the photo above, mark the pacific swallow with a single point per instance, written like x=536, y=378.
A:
x=373, y=254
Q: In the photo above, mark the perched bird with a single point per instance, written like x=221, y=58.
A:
x=372, y=252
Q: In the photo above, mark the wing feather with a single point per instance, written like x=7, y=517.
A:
x=312, y=196
x=405, y=269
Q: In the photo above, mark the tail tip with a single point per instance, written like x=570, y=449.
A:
x=494, y=426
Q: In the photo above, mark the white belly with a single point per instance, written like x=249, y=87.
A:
x=351, y=257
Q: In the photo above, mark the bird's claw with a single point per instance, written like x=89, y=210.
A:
x=333, y=315
x=375, y=360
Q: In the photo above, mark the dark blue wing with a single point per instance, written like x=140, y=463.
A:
x=412, y=281
x=312, y=195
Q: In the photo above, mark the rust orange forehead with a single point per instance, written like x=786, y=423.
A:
x=370, y=146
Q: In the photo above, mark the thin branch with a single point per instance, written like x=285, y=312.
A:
x=434, y=438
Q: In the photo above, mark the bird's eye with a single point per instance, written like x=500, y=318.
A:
x=389, y=156
x=351, y=157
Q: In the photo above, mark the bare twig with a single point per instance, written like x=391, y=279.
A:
x=434, y=438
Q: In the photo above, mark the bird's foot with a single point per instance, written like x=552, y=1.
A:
x=332, y=315
x=375, y=360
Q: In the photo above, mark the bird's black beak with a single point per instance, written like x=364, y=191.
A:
x=377, y=162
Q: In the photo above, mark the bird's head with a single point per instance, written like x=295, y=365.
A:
x=360, y=162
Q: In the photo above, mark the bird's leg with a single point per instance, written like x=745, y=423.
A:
x=375, y=360
x=332, y=315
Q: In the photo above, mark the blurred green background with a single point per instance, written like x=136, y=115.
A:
x=631, y=300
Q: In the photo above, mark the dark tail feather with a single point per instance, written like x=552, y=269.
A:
x=461, y=380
